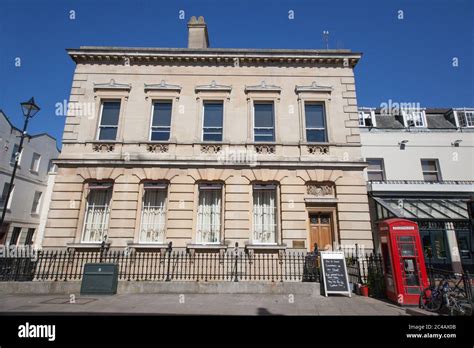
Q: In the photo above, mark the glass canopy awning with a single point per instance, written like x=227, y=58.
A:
x=422, y=208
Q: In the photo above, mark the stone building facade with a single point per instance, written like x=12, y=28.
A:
x=206, y=147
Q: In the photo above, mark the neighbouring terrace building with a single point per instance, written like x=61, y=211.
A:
x=206, y=147
x=421, y=167
x=28, y=203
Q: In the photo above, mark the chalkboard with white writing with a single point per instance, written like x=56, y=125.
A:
x=334, y=273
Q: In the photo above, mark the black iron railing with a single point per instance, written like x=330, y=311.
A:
x=367, y=270
x=169, y=265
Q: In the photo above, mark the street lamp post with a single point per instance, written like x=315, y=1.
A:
x=29, y=109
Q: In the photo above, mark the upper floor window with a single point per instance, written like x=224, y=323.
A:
x=414, y=118
x=465, y=118
x=209, y=214
x=315, y=119
x=153, y=218
x=430, y=168
x=264, y=214
x=15, y=153
x=6, y=187
x=212, y=122
x=36, y=203
x=96, y=220
x=161, y=122
x=109, y=119
x=35, y=162
x=367, y=118
x=264, y=122
x=375, y=170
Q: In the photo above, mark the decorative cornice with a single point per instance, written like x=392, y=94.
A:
x=213, y=87
x=263, y=87
x=119, y=55
x=314, y=87
x=113, y=85
x=162, y=86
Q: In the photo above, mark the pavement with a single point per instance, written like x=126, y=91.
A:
x=197, y=304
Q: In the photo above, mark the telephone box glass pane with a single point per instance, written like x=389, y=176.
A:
x=386, y=259
x=411, y=273
x=407, y=249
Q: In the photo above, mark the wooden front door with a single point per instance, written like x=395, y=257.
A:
x=320, y=230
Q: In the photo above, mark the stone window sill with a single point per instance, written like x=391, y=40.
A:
x=86, y=246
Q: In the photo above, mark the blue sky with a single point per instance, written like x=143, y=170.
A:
x=405, y=60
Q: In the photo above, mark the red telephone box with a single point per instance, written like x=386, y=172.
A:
x=404, y=263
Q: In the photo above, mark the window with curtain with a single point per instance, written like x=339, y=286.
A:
x=212, y=123
x=109, y=120
x=96, y=221
x=315, y=123
x=264, y=214
x=264, y=122
x=161, y=122
x=153, y=217
x=209, y=214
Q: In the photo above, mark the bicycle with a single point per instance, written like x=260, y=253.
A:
x=454, y=298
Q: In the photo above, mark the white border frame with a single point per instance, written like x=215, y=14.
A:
x=337, y=255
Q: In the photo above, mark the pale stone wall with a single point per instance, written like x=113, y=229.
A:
x=65, y=220
x=186, y=160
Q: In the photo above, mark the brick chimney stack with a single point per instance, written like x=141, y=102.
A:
x=197, y=33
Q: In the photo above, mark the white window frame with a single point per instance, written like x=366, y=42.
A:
x=409, y=116
x=381, y=170
x=366, y=114
x=262, y=101
x=35, y=169
x=265, y=187
x=209, y=101
x=36, y=211
x=108, y=126
x=162, y=214
x=199, y=237
x=151, y=118
x=10, y=199
x=465, y=123
x=105, y=218
x=19, y=156
x=438, y=169
x=325, y=128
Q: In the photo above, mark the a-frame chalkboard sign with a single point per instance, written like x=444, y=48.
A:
x=334, y=271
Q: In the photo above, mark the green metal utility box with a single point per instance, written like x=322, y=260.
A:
x=99, y=278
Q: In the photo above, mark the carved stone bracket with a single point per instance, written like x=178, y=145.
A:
x=318, y=149
x=211, y=149
x=103, y=147
x=265, y=149
x=320, y=190
x=157, y=148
